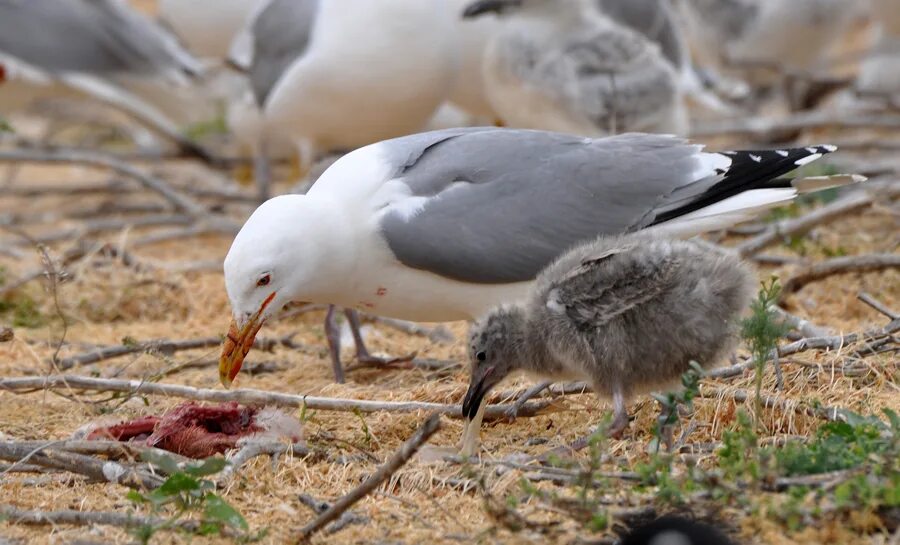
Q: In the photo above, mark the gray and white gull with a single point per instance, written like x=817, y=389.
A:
x=99, y=48
x=446, y=225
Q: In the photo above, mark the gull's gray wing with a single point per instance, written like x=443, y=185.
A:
x=281, y=33
x=504, y=203
x=655, y=19
x=98, y=37
x=490, y=205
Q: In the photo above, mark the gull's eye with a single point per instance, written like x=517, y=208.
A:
x=264, y=280
x=481, y=356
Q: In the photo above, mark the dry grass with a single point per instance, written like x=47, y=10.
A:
x=106, y=302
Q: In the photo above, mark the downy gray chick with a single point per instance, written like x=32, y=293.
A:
x=626, y=313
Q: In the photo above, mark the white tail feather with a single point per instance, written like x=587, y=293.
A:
x=818, y=183
x=731, y=211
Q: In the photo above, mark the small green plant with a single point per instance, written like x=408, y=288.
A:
x=367, y=435
x=739, y=455
x=5, y=126
x=187, y=492
x=210, y=127
x=836, y=445
x=22, y=310
x=669, y=403
x=761, y=330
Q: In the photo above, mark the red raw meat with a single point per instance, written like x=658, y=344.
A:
x=198, y=431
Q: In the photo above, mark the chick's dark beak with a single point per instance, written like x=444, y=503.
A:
x=481, y=7
x=478, y=388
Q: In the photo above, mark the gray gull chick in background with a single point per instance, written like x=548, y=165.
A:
x=563, y=65
x=626, y=313
x=446, y=225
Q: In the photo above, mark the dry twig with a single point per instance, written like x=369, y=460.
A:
x=840, y=265
x=179, y=201
x=99, y=470
x=796, y=226
x=395, y=462
x=246, y=396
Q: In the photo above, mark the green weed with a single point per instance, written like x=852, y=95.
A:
x=187, y=492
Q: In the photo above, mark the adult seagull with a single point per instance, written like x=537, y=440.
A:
x=101, y=48
x=445, y=225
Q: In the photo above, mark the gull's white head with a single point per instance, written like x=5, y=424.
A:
x=275, y=259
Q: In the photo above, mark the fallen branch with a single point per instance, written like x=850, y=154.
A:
x=836, y=342
x=95, y=469
x=253, y=448
x=762, y=128
x=319, y=507
x=167, y=348
x=797, y=226
x=877, y=305
x=805, y=327
x=396, y=461
x=840, y=265
x=161, y=346
x=110, y=449
x=88, y=518
x=157, y=185
x=832, y=414
x=246, y=396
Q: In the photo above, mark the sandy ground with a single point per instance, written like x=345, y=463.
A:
x=104, y=300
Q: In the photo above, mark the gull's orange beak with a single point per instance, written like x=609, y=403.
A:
x=238, y=344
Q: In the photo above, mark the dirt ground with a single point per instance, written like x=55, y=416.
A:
x=173, y=289
x=105, y=301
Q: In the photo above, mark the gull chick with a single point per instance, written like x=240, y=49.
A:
x=564, y=65
x=626, y=313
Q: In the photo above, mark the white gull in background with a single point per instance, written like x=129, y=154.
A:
x=563, y=65
x=370, y=70
x=207, y=27
x=276, y=34
x=341, y=74
x=99, y=48
x=445, y=225
x=879, y=75
x=468, y=91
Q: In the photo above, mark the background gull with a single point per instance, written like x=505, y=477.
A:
x=207, y=27
x=445, y=225
x=660, y=23
x=565, y=66
x=370, y=70
x=761, y=40
x=879, y=75
x=333, y=76
x=276, y=35
x=100, y=48
x=474, y=35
